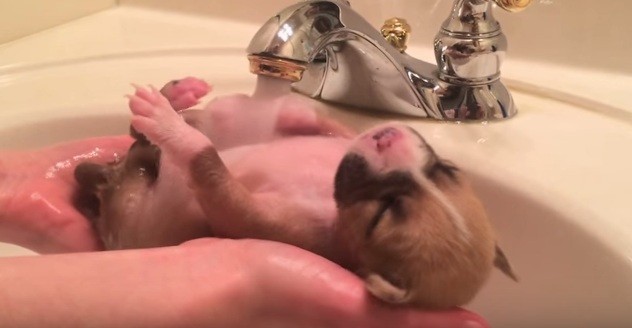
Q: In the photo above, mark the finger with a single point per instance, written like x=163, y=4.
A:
x=172, y=287
x=77, y=235
x=47, y=224
x=338, y=297
x=390, y=317
x=99, y=150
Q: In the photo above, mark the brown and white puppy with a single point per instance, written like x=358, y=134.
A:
x=382, y=204
x=420, y=234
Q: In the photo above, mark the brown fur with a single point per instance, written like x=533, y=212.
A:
x=422, y=252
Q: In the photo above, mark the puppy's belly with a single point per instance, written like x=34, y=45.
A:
x=292, y=174
x=140, y=215
x=299, y=170
x=293, y=178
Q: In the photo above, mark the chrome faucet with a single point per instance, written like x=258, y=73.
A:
x=331, y=52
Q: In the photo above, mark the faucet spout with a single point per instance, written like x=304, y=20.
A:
x=340, y=57
x=332, y=53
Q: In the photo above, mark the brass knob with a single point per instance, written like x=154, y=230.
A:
x=513, y=5
x=396, y=31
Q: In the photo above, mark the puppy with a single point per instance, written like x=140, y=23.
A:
x=420, y=234
x=382, y=204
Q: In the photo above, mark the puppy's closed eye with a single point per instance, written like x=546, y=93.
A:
x=392, y=204
x=440, y=167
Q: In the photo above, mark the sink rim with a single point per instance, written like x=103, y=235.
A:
x=73, y=71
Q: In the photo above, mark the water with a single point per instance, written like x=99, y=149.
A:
x=270, y=88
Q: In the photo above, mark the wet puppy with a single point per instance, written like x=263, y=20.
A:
x=382, y=204
x=420, y=234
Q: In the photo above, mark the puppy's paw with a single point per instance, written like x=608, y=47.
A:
x=153, y=115
x=158, y=121
x=185, y=93
x=385, y=290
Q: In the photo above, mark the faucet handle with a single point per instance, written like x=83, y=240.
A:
x=396, y=31
x=513, y=5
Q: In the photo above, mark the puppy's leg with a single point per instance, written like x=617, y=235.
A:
x=231, y=209
x=163, y=126
x=181, y=94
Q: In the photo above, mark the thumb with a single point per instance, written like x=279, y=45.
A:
x=318, y=293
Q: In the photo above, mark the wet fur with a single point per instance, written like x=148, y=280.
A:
x=391, y=230
x=112, y=197
x=414, y=254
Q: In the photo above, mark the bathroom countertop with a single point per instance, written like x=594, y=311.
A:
x=560, y=152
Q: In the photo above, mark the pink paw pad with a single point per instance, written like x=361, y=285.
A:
x=185, y=93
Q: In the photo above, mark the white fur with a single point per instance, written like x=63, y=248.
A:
x=457, y=219
x=398, y=158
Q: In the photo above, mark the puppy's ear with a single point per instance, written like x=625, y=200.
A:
x=385, y=290
x=143, y=156
x=90, y=176
x=502, y=263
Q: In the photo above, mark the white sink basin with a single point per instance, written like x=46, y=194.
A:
x=555, y=179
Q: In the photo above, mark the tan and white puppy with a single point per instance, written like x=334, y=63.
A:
x=382, y=204
x=420, y=233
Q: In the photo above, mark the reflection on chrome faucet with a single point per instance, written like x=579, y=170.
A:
x=330, y=52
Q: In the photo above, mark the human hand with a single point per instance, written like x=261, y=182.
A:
x=36, y=190
x=296, y=288
x=203, y=283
